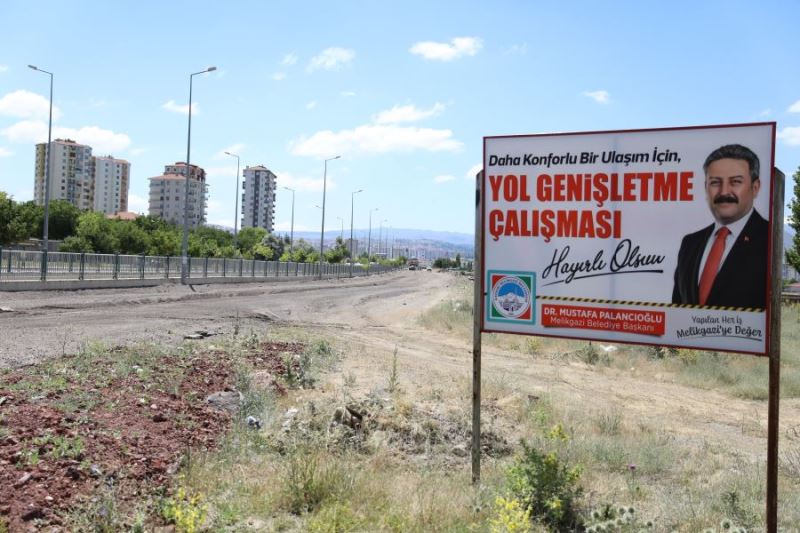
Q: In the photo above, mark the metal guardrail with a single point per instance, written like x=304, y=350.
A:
x=20, y=265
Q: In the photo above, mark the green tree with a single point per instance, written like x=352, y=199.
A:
x=12, y=228
x=97, y=230
x=76, y=244
x=338, y=253
x=132, y=239
x=793, y=253
x=277, y=244
x=248, y=239
x=164, y=241
x=31, y=216
x=63, y=219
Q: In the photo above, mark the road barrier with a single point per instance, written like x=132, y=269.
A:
x=40, y=266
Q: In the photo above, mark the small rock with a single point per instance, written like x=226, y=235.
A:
x=290, y=413
x=32, y=513
x=96, y=471
x=3, y=399
x=159, y=417
x=6, y=310
x=153, y=406
x=49, y=498
x=460, y=450
x=225, y=400
x=24, y=479
x=253, y=422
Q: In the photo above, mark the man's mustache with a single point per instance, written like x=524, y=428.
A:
x=726, y=199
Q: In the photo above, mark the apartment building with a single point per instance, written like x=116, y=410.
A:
x=168, y=194
x=71, y=176
x=85, y=181
x=111, y=180
x=258, y=199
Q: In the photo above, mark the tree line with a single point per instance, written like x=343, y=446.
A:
x=92, y=232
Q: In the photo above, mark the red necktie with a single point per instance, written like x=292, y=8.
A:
x=712, y=264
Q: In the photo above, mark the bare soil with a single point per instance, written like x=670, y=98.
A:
x=63, y=439
x=376, y=315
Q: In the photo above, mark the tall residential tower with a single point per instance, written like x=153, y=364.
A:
x=258, y=200
x=167, y=194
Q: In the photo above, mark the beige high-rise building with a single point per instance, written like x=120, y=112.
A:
x=111, y=180
x=167, y=194
x=70, y=175
x=258, y=200
x=85, y=181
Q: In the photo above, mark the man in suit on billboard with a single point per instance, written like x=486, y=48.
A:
x=725, y=264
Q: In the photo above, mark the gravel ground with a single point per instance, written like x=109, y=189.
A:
x=44, y=324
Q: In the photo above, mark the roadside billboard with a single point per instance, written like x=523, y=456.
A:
x=657, y=237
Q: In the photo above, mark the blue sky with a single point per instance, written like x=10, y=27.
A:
x=403, y=91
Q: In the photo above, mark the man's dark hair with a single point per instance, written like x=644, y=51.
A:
x=735, y=151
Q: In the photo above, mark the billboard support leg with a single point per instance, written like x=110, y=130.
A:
x=477, y=307
x=774, y=351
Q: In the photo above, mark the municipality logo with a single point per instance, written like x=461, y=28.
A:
x=511, y=297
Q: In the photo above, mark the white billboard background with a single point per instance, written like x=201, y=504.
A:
x=656, y=227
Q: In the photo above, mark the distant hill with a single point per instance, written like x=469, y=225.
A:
x=449, y=237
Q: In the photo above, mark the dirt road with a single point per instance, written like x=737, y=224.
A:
x=377, y=314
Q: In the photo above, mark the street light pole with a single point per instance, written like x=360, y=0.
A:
x=352, y=201
x=46, y=227
x=341, y=235
x=236, y=209
x=322, y=233
x=369, y=240
x=291, y=238
x=185, y=243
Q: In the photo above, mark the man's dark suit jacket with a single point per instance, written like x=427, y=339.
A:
x=742, y=279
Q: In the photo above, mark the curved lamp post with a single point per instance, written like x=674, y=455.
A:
x=185, y=242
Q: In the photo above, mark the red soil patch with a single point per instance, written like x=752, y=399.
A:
x=59, y=444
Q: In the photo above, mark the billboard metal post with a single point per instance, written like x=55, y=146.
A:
x=477, y=307
x=774, y=351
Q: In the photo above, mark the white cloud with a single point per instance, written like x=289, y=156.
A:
x=331, y=59
x=183, y=109
x=101, y=140
x=137, y=204
x=375, y=139
x=407, y=113
x=601, y=97
x=456, y=48
x=279, y=76
x=765, y=112
x=443, y=179
x=25, y=104
x=5, y=152
x=790, y=135
x=311, y=105
x=795, y=107
x=3, y=68
x=234, y=149
x=289, y=60
x=302, y=183
x=139, y=151
x=473, y=171
x=517, y=49
x=348, y=93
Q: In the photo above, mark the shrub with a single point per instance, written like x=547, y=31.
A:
x=187, y=512
x=510, y=516
x=547, y=487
